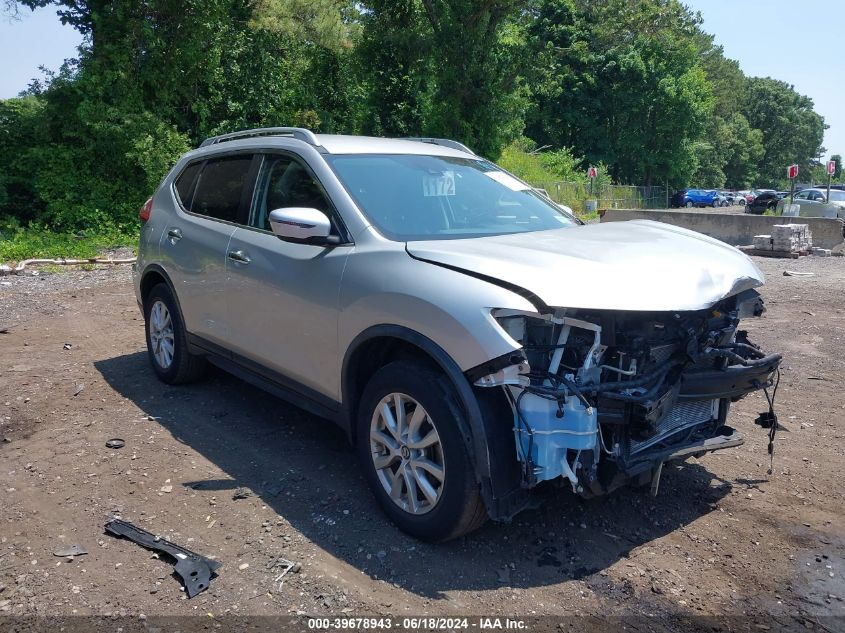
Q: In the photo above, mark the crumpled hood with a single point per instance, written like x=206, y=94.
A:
x=635, y=265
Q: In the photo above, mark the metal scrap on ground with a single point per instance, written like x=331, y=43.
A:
x=195, y=569
x=71, y=550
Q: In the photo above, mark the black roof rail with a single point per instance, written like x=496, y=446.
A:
x=300, y=133
x=445, y=142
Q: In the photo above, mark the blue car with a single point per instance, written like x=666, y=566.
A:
x=696, y=198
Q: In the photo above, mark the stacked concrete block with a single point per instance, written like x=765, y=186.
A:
x=762, y=242
x=791, y=238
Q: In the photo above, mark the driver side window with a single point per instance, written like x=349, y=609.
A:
x=285, y=182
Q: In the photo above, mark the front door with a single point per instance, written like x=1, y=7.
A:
x=283, y=296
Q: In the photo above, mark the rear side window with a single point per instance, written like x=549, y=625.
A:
x=185, y=184
x=218, y=192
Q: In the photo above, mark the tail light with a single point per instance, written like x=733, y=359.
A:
x=146, y=210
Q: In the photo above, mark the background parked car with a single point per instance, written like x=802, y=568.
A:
x=695, y=198
x=765, y=201
x=677, y=199
x=733, y=197
x=814, y=203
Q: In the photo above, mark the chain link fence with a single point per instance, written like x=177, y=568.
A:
x=575, y=195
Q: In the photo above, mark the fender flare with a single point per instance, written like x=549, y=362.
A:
x=475, y=437
x=156, y=268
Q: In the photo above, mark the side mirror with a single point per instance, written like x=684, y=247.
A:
x=301, y=224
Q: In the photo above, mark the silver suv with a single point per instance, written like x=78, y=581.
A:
x=474, y=339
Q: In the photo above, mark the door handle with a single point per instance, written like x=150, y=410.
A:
x=239, y=256
x=175, y=234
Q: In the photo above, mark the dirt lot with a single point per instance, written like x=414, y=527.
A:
x=233, y=473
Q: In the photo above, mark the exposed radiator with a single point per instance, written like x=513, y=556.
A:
x=683, y=414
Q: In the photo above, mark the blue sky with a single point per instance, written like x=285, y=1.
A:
x=797, y=41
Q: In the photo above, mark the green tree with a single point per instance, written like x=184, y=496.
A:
x=478, y=95
x=741, y=168
x=395, y=60
x=726, y=79
x=20, y=128
x=156, y=76
x=620, y=82
x=792, y=130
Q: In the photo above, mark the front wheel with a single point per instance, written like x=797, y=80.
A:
x=414, y=457
x=689, y=204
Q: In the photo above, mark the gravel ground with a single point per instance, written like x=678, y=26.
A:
x=233, y=473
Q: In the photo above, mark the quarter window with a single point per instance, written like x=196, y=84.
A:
x=185, y=184
x=218, y=192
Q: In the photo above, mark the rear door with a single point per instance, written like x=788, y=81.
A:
x=283, y=296
x=194, y=243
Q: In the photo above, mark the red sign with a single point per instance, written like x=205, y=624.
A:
x=792, y=172
x=831, y=167
x=592, y=172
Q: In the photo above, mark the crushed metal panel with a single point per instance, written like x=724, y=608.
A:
x=194, y=569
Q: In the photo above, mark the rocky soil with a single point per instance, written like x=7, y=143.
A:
x=235, y=474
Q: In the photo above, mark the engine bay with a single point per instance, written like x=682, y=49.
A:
x=603, y=397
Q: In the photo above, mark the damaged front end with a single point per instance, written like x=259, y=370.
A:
x=602, y=398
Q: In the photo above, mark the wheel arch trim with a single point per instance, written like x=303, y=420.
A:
x=158, y=270
x=474, y=436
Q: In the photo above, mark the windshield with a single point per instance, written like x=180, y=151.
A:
x=410, y=197
x=837, y=196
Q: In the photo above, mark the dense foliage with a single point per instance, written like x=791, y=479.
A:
x=633, y=85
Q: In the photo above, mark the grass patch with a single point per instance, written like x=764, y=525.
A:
x=18, y=243
x=527, y=166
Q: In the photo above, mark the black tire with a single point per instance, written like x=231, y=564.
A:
x=184, y=366
x=689, y=204
x=459, y=508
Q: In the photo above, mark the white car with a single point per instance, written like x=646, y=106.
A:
x=813, y=203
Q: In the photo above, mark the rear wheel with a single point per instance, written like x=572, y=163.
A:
x=167, y=341
x=413, y=454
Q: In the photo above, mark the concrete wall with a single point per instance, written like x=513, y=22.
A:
x=737, y=229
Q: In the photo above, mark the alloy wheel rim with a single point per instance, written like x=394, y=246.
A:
x=407, y=453
x=161, y=335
